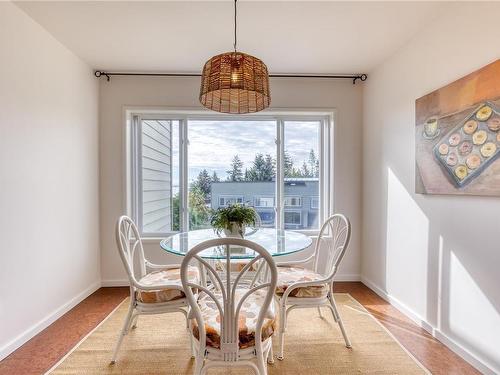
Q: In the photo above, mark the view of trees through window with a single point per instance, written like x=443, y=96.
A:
x=245, y=170
x=301, y=142
x=235, y=162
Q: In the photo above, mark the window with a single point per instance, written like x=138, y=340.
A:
x=226, y=201
x=293, y=201
x=183, y=166
x=302, y=166
x=264, y=202
x=315, y=203
x=229, y=161
x=158, y=176
x=292, y=219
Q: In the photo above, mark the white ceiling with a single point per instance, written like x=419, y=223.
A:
x=289, y=36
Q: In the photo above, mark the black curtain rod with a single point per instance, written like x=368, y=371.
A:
x=354, y=77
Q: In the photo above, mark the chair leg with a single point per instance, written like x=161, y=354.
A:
x=333, y=312
x=281, y=335
x=124, y=331
x=198, y=365
x=261, y=363
x=134, y=321
x=191, y=341
x=270, y=354
x=340, y=322
x=319, y=312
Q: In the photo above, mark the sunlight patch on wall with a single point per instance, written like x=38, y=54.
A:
x=406, y=236
x=467, y=302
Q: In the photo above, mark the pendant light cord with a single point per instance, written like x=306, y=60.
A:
x=235, y=39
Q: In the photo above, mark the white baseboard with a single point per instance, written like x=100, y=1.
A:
x=347, y=277
x=480, y=364
x=46, y=321
x=399, y=305
x=114, y=282
x=125, y=282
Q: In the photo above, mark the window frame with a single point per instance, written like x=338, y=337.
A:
x=132, y=181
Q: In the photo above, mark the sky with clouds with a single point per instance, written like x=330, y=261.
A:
x=212, y=144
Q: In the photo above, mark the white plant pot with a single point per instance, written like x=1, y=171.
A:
x=237, y=230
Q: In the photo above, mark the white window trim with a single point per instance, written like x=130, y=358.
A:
x=293, y=205
x=265, y=197
x=312, y=198
x=327, y=141
x=235, y=197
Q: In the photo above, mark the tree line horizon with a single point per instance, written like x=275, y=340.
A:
x=263, y=169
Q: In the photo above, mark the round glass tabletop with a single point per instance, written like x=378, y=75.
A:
x=278, y=242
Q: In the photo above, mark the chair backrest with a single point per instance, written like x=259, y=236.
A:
x=223, y=292
x=129, y=245
x=258, y=219
x=257, y=224
x=335, y=234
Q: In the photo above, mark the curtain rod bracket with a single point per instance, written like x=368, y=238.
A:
x=362, y=77
x=99, y=73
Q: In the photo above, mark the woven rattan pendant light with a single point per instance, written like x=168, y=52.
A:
x=234, y=82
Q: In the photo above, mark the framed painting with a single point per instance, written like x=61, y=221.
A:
x=458, y=136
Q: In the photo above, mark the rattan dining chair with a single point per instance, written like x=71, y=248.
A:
x=299, y=287
x=154, y=289
x=231, y=324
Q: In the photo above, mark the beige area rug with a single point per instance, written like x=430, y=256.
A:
x=313, y=345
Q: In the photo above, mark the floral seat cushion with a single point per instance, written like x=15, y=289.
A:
x=247, y=320
x=166, y=277
x=288, y=275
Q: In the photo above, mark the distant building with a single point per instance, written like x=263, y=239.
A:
x=301, y=200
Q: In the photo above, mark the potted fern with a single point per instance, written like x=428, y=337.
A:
x=232, y=220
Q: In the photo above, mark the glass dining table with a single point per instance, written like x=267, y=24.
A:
x=277, y=242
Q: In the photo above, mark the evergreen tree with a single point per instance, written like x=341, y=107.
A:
x=268, y=172
x=304, y=172
x=288, y=165
x=236, y=171
x=313, y=164
x=258, y=167
x=203, y=183
x=251, y=175
x=215, y=177
x=262, y=170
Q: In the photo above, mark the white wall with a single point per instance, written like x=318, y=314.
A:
x=183, y=92
x=436, y=257
x=49, y=203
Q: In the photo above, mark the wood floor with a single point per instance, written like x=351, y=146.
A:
x=45, y=349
